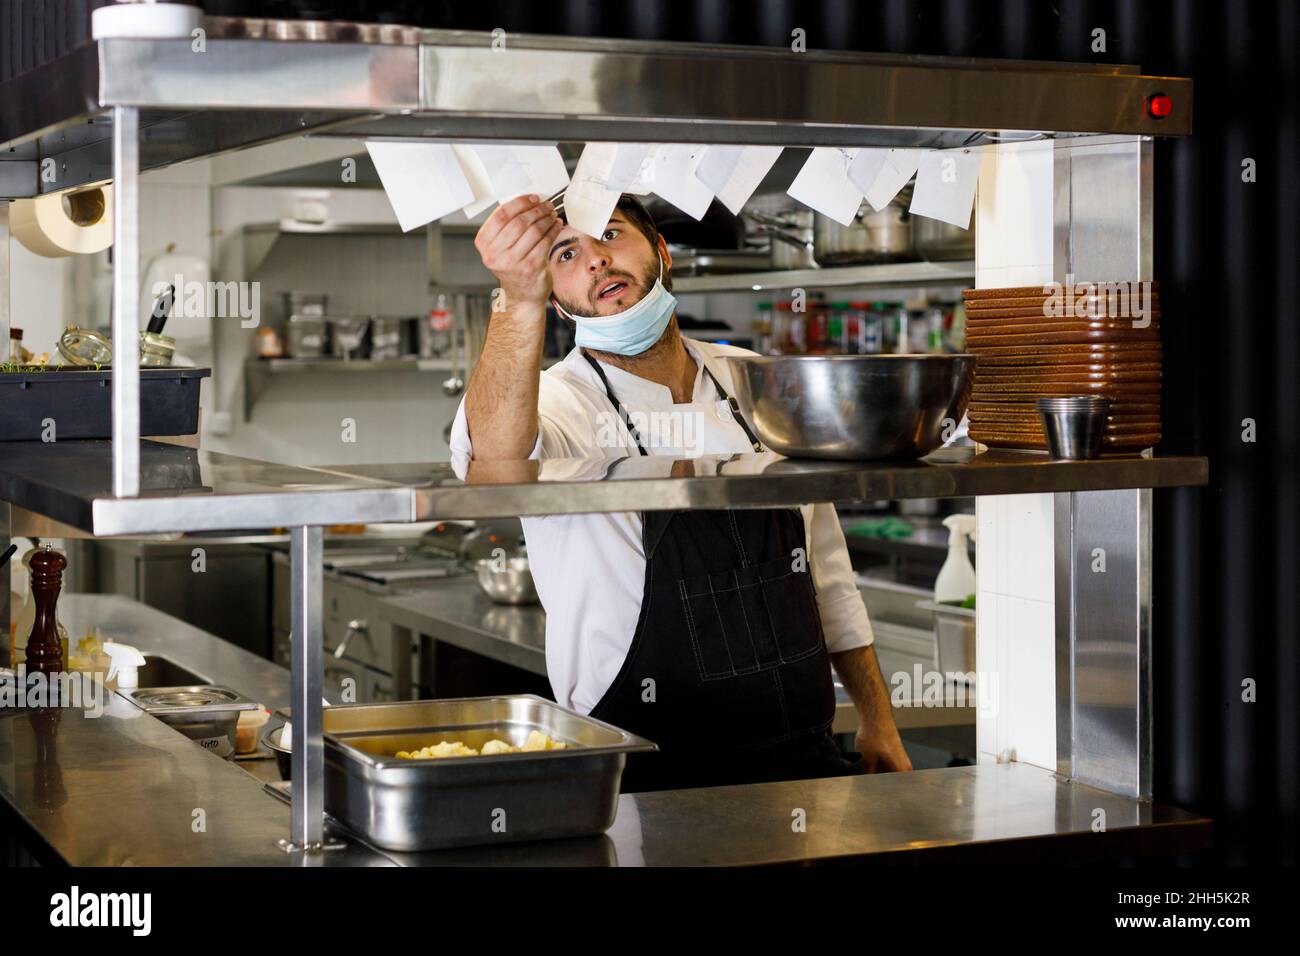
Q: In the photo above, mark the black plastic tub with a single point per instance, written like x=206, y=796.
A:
x=60, y=402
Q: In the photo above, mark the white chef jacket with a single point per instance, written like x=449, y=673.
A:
x=589, y=569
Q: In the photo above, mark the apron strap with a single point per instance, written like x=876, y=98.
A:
x=734, y=406
x=613, y=400
x=722, y=393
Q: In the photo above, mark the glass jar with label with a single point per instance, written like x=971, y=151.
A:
x=792, y=338
x=837, y=329
x=934, y=323
x=818, y=328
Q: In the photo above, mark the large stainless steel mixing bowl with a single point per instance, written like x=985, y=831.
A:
x=862, y=407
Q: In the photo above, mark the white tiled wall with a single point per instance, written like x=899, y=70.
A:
x=51, y=294
x=399, y=416
x=298, y=420
x=1015, y=606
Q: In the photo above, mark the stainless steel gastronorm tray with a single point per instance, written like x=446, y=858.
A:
x=410, y=805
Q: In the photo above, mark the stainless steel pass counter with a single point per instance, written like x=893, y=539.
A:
x=456, y=611
x=118, y=790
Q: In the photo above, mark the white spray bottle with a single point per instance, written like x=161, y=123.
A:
x=956, y=580
x=124, y=661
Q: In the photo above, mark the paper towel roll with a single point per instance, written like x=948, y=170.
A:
x=145, y=20
x=48, y=227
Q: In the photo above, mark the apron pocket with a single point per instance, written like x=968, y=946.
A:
x=751, y=619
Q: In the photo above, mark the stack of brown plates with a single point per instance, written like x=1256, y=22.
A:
x=1030, y=343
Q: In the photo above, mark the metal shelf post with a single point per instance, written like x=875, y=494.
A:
x=126, y=301
x=307, y=808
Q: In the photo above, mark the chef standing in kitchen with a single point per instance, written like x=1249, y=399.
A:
x=712, y=633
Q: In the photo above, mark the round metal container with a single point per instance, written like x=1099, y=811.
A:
x=85, y=347
x=508, y=581
x=156, y=349
x=884, y=236
x=206, y=714
x=856, y=407
x=1075, y=426
x=308, y=336
x=791, y=233
x=283, y=754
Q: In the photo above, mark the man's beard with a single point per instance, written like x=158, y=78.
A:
x=671, y=336
x=644, y=285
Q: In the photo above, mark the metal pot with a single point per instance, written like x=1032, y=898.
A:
x=884, y=236
x=792, y=237
x=940, y=241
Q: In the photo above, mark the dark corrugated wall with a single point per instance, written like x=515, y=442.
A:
x=1227, y=575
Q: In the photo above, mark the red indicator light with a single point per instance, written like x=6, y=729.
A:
x=1159, y=105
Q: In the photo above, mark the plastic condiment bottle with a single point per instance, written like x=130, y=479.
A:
x=956, y=580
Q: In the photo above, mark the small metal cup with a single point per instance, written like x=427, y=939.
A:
x=1074, y=426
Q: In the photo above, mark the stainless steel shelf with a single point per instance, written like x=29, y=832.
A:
x=258, y=371
x=279, y=366
x=261, y=237
x=897, y=274
x=457, y=85
x=183, y=489
x=575, y=486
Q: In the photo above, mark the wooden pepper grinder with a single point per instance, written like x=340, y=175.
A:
x=44, y=649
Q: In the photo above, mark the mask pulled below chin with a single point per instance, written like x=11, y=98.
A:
x=631, y=331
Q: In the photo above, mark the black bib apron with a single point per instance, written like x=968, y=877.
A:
x=728, y=670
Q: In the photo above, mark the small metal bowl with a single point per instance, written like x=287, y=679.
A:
x=206, y=713
x=854, y=407
x=506, y=581
x=1075, y=427
x=271, y=740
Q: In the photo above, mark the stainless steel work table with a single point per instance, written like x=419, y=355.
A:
x=114, y=791
x=457, y=612
x=153, y=632
x=995, y=812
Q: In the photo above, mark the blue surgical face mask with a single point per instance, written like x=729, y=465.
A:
x=631, y=331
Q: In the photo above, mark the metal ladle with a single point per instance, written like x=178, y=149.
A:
x=454, y=384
